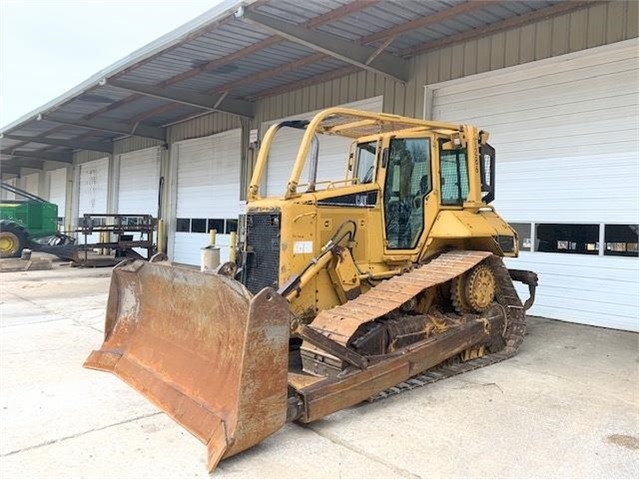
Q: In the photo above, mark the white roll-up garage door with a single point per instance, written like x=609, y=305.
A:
x=208, y=194
x=94, y=181
x=58, y=191
x=32, y=183
x=566, y=134
x=333, y=151
x=6, y=195
x=139, y=179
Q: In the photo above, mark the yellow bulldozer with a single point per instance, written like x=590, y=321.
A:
x=386, y=277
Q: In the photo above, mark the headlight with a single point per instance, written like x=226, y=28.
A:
x=506, y=243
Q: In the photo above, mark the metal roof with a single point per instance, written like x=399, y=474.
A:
x=240, y=51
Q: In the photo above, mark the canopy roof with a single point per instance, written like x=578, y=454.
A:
x=239, y=52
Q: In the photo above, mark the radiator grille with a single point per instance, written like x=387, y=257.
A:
x=263, y=246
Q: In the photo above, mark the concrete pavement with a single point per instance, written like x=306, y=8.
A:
x=566, y=406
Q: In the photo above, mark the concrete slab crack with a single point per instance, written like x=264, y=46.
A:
x=336, y=440
x=73, y=436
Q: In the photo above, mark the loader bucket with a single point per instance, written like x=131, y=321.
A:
x=201, y=348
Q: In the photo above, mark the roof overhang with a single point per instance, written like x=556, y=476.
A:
x=239, y=52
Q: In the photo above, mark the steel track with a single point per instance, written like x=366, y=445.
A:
x=516, y=329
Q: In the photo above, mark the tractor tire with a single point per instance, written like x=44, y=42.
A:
x=13, y=239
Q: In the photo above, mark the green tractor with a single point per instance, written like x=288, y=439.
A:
x=28, y=222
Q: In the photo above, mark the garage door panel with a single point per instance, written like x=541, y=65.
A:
x=568, y=87
x=208, y=187
x=93, y=187
x=201, y=202
x=32, y=183
x=577, y=311
x=573, y=314
x=58, y=190
x=7, y=195
x=566, y=137
x=616, y=303
x=617, y=270
x=94, y=177
x=575, y=146
x=550, y=300
x=540, y=190
x=612, y=149
x=522, y=78
x=596, y=118
x=584, y=289
x=139, y=182
x=529, y=115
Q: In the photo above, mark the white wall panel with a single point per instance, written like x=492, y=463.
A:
x=139, y=178
x=94, y=176
x=208, y=186
x=58, y=190
x=32, y=183
x=566, y=132
x=579, y=189
x=6, y=195
x=595, y=290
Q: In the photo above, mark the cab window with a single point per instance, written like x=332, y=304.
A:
x=408, y=181
x=453, y=168
x=365, y=155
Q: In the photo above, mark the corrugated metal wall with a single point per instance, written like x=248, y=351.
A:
x=84, y=156
x=202, y=126
x=134, y=143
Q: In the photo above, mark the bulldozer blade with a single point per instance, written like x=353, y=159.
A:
x=200, y=347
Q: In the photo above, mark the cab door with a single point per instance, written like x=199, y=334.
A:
x=407, y=183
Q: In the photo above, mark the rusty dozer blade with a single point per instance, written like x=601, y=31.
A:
x=201, y=348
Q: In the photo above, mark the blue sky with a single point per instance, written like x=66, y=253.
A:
x=48, y=47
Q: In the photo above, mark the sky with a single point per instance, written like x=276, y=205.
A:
x=49, y=46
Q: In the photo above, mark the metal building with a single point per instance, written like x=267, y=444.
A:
x=555, y=82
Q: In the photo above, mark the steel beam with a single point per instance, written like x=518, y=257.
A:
x=362, y=56
x=143, y=131
x=271, y=72
x=185, y=97
x=8, y=169
x=66, y=157
x=75, y=144
x=18, y=163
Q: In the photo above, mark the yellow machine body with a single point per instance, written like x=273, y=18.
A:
x=310, y=218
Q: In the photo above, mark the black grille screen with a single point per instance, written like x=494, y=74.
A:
x=263, y=246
